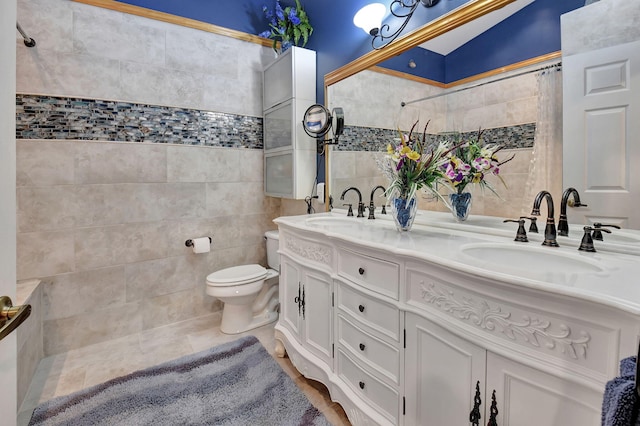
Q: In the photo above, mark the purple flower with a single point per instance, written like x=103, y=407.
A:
x=279, y=11
x=293, y=17
x=265, y=34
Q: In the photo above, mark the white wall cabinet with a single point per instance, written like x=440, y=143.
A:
x=289, y=88
x=410, y=338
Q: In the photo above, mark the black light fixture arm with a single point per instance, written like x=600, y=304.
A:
x=400, y=9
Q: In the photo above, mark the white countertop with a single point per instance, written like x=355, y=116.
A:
x=484, y=246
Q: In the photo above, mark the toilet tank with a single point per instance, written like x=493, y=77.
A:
x=273, y=258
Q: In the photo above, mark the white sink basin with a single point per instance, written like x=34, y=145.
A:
x=528, y=260
x=619, y=237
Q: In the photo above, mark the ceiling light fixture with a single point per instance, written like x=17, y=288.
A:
x=369, y=18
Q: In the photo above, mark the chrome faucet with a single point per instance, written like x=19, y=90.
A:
x=563, y=225
x=360, y=205
x=550, y=228
x=372, y=207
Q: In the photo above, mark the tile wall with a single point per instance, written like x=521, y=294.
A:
x=29, y=334
x=104, y=224
x=103, y=217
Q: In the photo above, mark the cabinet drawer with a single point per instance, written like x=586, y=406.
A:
x=374, y=274
x=382, y=397
x=383, y=357
x=374, y=313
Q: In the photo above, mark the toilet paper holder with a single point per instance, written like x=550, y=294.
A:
x=189, y=242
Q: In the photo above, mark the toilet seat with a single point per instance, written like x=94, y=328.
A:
x=236, y=275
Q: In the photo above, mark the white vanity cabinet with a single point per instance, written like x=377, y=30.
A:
x=402, y=337
x=289, y=88
x=445, y=370
x=543, y=356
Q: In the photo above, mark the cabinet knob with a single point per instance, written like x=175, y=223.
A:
x=361, y=308
x=361, y=271
x=361, y=385
x=362, y=346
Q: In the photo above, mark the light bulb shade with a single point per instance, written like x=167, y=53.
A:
x=369, y=18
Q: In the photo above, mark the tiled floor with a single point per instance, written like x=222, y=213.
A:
x=68, y=372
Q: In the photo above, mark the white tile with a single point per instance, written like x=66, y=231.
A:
x=112, y=38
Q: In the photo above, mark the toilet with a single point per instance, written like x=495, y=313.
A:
x=249, y=292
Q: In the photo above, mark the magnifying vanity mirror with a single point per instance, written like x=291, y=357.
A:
x=519, y=106
x=318, y=121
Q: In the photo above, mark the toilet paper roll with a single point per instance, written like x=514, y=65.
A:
x=201, y=245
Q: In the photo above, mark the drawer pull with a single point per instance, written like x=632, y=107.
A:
x=361, y=385
x=361, y=308
x=361, y=271
x=362, y=346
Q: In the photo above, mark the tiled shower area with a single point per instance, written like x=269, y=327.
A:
x=124, y=151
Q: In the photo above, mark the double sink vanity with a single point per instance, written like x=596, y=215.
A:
x=452, y=320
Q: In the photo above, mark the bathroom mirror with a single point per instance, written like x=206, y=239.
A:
x=376, y=114
x=350, y=86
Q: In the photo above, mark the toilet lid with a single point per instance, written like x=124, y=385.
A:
x=237, y=275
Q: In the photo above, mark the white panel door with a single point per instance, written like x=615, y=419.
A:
x=317, y=315
x=601, y=134
x=290, y=296
x=529, y=397
x=8, y=395
x=442, y=373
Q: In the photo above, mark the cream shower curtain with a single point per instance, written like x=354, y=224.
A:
x=545, y=169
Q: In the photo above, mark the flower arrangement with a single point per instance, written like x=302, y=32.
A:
x=287, y=25
x=470, y=162
x=409, y=168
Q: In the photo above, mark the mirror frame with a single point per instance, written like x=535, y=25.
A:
x=439, y=26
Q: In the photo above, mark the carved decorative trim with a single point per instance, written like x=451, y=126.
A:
x=308, y=250
x=493, y=319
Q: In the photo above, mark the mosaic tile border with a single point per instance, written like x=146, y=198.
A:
x=50, y=117
x=357, y=138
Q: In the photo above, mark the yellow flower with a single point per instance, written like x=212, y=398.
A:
x=390, y=149
x=405, y=150
x=477, y=178
x=413, y=156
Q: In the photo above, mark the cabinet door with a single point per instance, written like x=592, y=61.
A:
x=529, y=397
x=318, y=334
x=441, y=374
x=279, y=126
x=290, y=292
